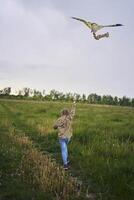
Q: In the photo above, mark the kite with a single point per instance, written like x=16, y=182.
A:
x=96, y=27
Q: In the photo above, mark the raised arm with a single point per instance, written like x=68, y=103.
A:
x=72, y=111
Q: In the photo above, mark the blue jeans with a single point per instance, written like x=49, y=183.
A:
x=64, y=149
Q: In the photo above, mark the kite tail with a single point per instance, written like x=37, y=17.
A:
x=97, y=37
x=114, y=25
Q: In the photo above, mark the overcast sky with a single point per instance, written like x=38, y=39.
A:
x=41, y=47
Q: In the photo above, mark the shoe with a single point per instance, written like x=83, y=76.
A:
x=65, y=167
x=68, y=162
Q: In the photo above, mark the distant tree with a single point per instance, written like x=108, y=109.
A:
x=1, y=91
x=104, y=99
x=56, y=95
x=31, y=92
x=83, y=98
x=26, y=92
x=125, y=101
x=48, y=97
x=61, y=96
x=115, y=100
x=98, y=99
x=37, y=94
x=6, y=91
x=43, y=93
x=69, y=97
x=107, y=99
x=77, y=97
x=94, y=98
x=132, y=102
x=53, y=94
x=120, y=101
x=20, y=93
x=91, y=98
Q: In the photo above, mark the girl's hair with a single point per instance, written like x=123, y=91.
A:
x=65, y=112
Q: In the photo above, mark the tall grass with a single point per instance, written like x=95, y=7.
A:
x=101, y=150
x=42, y=172
x=39, y=171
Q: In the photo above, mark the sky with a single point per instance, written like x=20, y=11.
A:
x=41, y=47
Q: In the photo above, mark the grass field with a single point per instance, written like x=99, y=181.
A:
x=101, y=152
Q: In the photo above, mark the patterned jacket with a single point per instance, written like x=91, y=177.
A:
x=64, y=124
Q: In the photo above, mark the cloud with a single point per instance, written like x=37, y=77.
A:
x=42, y=47
x=27, y=37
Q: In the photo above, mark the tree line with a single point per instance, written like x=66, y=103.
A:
x=54, y=95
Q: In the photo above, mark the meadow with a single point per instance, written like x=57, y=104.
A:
x=101, y=152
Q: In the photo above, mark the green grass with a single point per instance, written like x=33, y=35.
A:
x=101, y=149
x=11, y=185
